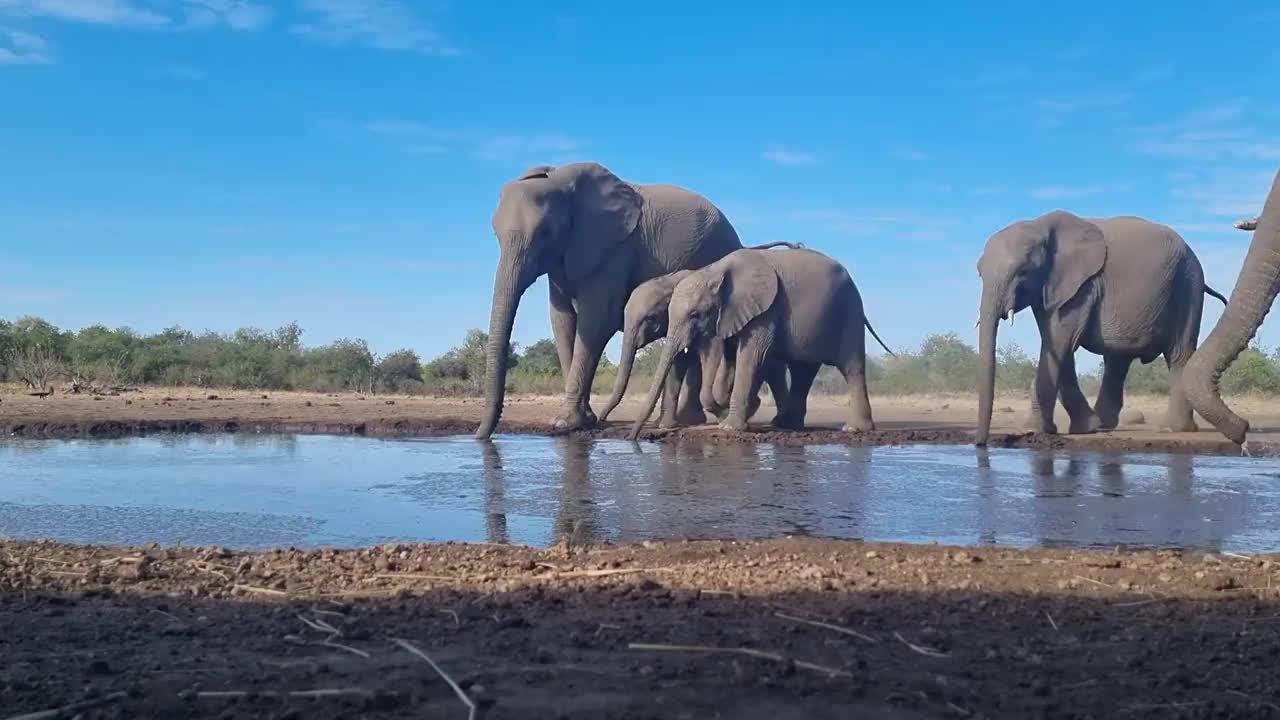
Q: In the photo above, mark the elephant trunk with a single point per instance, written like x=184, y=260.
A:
x=509, y=284
x=630, y=346
x=659, y=379
x=992, y=308
x=1251, y=299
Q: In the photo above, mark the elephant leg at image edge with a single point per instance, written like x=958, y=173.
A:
x=1111, y=395
x=671, y=392
x=1083, y=419
x=792, y=416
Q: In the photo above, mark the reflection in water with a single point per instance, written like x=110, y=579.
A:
x=495, y=514
x=236, y=491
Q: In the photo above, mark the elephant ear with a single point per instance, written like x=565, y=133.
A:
x=605, y=210
x=1079, y=252
x=748, y=287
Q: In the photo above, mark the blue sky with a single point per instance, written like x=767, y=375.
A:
x=223, y=163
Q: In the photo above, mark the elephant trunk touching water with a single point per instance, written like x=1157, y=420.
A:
x=1251, y=299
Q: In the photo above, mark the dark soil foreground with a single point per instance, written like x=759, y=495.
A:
x=772, y=630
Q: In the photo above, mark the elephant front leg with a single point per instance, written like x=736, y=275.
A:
x=1083, y=419
x=753, y=349
x=593, y=332
x=791, y=415
x=671, y=392
x=690, y=409
x=564, y=325
x=1111, y=395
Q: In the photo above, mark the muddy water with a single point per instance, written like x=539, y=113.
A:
x=257, y=491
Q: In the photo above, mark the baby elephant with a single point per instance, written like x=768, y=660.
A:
x=644, y=321
x=800, y=307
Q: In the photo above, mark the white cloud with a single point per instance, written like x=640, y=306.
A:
x=1054, y=112
x=788, y=158
x=1058, y=192
x=511, y=146
x=382, y=24
x=22, y=48
x=170, y=14
x=1210, y=134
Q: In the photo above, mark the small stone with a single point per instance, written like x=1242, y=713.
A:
x=212, y=397
x=391, y=402
x=872, y=554
x=308, y=403
x=1006, y=409
x=1132, y=417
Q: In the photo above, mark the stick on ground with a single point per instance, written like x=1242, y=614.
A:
x=750, y=652
x=68, y=710
x=457, y=690
x=827, y=626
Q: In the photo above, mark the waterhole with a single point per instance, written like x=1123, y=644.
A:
x=249, y=491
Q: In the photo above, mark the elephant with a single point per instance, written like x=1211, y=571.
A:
x=798, y=306
x=596, y=237
x=644, y=321
x=1255, y=291
x=1122, y=287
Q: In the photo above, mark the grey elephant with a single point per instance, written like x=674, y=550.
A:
x=596, y=237
x=799, y=306
x=644, y=321
x=1251, y=299
x=1122, y=287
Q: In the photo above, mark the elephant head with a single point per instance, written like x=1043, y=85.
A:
x=1040, y=263
x=712, y=304
x=644, y=320
x=1251, y=299
x=562, y=222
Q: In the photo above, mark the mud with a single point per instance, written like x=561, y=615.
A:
x=900, y=421
x=839, y=630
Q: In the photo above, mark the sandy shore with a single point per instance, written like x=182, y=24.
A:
x=899, y=420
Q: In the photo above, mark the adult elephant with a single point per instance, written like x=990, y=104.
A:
x=1251, y=300
x=1122, y=287
x=596, y=237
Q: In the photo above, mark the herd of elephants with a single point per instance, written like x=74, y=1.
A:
x=658, y=260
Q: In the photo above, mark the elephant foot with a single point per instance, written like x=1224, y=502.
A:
x=577, y=418
x=691, y=415
x=1091, y=423
x=787, y=422
x=733, y=424
x=859, y=426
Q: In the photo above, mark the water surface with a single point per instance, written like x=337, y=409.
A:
x=257, y=491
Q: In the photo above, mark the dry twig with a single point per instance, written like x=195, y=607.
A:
x=73, y=708
x=926, y=651
x=827, y=626
x=750, y=652
x=1051, y=621
x=318, y=693
x=457, y=690
x=259, y=590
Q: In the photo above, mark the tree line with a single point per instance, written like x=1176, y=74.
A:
x=37, y=354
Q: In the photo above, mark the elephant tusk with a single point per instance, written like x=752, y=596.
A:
x=1012, y=315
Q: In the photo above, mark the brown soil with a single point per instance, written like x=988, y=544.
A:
x=899, y=420
x=840, y=630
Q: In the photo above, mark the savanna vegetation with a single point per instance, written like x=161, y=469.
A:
x=39, y=355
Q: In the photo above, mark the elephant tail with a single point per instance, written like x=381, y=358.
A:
x=777, y=243
x=1210, y=291
x=867, y=322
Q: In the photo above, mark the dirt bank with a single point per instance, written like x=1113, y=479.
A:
x=803, y=629
x=900, y=420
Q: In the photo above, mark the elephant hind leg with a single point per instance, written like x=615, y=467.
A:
x=1111, y=395
x=1083, y=419
x=791, y=417
x=855, y=374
